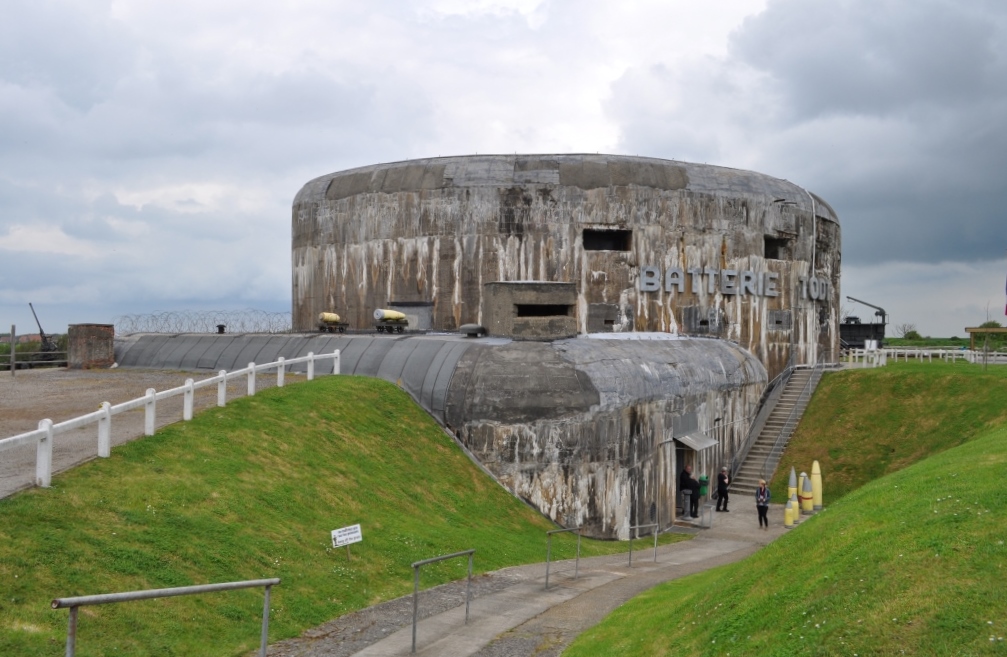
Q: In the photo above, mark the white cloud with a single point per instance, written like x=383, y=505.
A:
x=42, y=239
x=149, y=152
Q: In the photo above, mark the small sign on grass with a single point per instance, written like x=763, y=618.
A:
x=344, y=536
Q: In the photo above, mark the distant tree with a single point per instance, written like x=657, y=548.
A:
x=912, y=334
x=992, y=341
x=905, y=329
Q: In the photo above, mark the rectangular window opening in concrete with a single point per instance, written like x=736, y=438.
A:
x=607, y=240
x=776, y=248
x=542, y=310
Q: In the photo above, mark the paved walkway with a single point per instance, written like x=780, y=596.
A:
x=513, y=615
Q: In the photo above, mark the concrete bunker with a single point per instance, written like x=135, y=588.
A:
x=636, y=309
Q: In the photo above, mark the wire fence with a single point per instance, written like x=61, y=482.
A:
x=204, y=321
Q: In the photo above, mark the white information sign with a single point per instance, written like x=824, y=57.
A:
x=346, y=535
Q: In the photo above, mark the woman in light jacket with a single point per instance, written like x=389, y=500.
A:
x=762, y=503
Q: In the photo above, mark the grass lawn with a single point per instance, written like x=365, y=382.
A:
x=252, y=491
x=865, y=423
x=913, y=563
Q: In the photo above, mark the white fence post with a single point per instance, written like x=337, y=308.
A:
x=335, y=362
x=311, y=365
x=251, y=379
x=150, y=413
x=279, y=372
x=187, y=401
x=43, y=459
x=105, y=431
x=222, y=388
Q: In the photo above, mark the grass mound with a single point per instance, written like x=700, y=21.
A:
x=910, y=563
x=865, y=423
x=913, y=563
x=252, y=491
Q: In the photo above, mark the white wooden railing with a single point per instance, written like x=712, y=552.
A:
x=47, y=430
x=880, y=357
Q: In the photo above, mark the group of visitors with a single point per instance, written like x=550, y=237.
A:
x=687, y=482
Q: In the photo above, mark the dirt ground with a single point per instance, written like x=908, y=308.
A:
x=29, y=396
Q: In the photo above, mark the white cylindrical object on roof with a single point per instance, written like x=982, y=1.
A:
x=388, y=315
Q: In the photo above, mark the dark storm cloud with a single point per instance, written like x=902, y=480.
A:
x=893, y=111
x=875, y=57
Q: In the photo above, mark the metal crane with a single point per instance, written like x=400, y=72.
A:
x=880, y=311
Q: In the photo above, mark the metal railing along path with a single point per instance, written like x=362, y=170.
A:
x=47, y=430
x=548, y=552
x=416, y=585
x=638, y=528
x=128, y=596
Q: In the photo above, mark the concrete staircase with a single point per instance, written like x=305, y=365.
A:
x=762, y=458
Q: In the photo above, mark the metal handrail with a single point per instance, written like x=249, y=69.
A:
x=779, y=382
x=128, y=596
x=789, y=425
x=548, y=552
x=416, y=585
x=638, y=528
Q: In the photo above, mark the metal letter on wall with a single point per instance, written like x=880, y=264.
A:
x=650, y=279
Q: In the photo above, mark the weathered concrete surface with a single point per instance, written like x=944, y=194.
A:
x=530, y=310
x=436, y=230
x=583, y=429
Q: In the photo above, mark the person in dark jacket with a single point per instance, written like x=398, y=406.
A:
x=723, y=481
x=762, y=503
x=687, y=482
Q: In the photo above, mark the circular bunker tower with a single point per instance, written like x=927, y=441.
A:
x=635, y=307
x=647, y=244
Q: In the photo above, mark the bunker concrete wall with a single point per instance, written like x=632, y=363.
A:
x=437, y=230
x=604, y=457
x=583, y=428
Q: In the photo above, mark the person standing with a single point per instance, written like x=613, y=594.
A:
x=723, y=481
x=687, y=482
x=762, y=503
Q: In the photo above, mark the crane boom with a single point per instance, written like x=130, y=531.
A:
x=881, y=311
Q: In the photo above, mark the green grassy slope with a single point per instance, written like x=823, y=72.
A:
x=913, y=563
x=908, y=558
x=251, y=491
x=864, y=423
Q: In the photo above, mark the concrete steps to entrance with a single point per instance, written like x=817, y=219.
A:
x=761, y=460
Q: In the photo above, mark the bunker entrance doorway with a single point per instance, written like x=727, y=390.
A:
x=687, y=449
x=684, y=456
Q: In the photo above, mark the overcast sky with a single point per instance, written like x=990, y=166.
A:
x=150, y=151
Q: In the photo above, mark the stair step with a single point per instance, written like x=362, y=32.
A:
x=765, y=452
